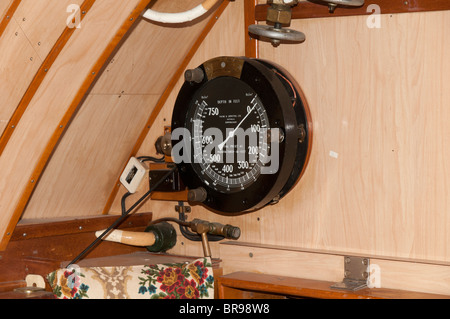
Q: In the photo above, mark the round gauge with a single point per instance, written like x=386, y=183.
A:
x=224, y=162
x=241, y=134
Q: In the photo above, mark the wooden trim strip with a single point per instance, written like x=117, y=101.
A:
x=306, y=10
x=48, y=228
x=39, y=78
x=251, y=44
x=92, y=75
x=8, y=16
x=165, y=95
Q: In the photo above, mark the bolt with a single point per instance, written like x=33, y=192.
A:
x=250, y=255
x=194, y=75
x=331, y=7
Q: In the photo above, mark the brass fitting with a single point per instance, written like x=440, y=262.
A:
x=280, y=11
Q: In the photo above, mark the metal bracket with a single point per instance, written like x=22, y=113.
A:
x=180, y=208
x=355, y=274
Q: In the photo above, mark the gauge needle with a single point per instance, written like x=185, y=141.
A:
x=231, y=133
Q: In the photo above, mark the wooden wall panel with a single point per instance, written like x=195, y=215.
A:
x=152, y=53
x=82, y=170
x=28, y=38
x=88, y=160
x=19, y=63
x=43, y=22
x=54, y=103
x=60, y=33
x=378, y=100
x=4, y=5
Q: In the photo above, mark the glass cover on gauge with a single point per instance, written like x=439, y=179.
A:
x=228, y=120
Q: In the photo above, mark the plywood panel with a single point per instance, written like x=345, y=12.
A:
x=43, y=22
x=18, y=65
x=53, y=99
x=104, y=132
x=152, y=53
x=81, y=172
x=42, y=19
x=4, y=5
x=378, y=99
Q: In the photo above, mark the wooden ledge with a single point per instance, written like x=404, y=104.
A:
x=247, y=285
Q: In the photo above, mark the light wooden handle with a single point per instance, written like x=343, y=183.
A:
x=129, y=237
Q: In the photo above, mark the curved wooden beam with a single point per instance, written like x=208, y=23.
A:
x=39, y=77
x=26, y=190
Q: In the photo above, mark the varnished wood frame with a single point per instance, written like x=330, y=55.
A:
x=162, y=100
x=305, y=10
x=53, y=141
x=39, y=77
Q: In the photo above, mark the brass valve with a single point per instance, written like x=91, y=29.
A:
x=280, y=11
x=279, y=14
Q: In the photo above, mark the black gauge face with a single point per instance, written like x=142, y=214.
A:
x=240, y=134
x=228, y=122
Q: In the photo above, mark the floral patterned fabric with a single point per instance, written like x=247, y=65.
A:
x=192, y=280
